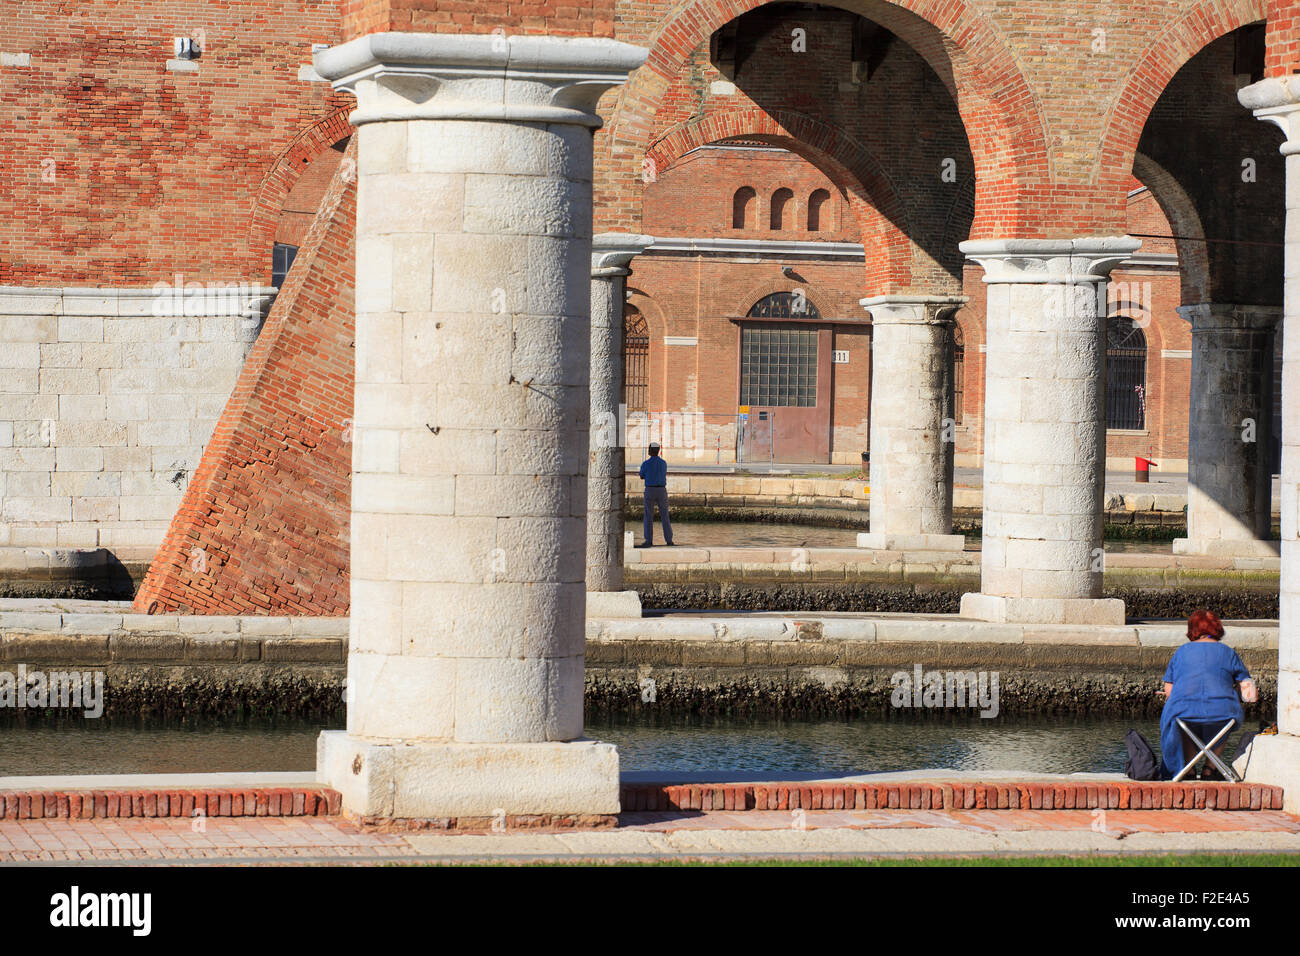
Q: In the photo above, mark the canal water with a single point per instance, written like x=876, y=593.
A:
x=725, y=746
x=756, y=534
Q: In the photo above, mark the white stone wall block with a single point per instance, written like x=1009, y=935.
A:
x=545, y=549
x=379, y=348
x=374, y=275
x=452, y=451
x=564, y=685
x=526, y=205
x=401, y=696
x=437, y=548
x=501, y=700
x=423, y=204
x=443, y=347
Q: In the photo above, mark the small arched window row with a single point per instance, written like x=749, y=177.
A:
x=783, y=211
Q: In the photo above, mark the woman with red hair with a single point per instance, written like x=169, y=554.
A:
x=1201, y=684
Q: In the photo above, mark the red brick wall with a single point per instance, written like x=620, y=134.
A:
x=263, y=528
x=695, y=296
x=114, y=171
x=582, y=18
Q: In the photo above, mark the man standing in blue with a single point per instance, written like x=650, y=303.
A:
x=654, y=472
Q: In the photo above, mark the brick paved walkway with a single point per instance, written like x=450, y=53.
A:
x=649, y=835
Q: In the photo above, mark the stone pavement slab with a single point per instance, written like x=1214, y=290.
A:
x=752, y=834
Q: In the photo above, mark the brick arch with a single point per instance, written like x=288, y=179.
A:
x=285, y=171
x=1185, y=222
x=1153, y=71
x=1004, y=124
x=873, y=199
x=746, y=300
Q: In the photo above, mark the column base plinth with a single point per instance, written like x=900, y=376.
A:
x=883, y=541
x=1007, y=610
x=622, y=604
x=1226, y=547
x=1274, y=760
x=438, y=781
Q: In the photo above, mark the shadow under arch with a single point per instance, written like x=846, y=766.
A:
x=1003, y=123
x=1185, y=221
x=1155, y=69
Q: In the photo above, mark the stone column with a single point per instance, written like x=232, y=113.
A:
x=606, y=461
x=1276, y=759
x=469, y=493
x=913, y=429
x=1230, y=425
x=1045, y=430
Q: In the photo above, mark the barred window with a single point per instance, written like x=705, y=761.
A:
x=1126, y=374
x=636, y=360
x=778, y=366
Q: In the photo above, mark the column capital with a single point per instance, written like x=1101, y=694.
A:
x=913, y=309
x=1055, y=261
x=438, y=76
x=1207, y=316
x=611, y=252
x=1276, y=100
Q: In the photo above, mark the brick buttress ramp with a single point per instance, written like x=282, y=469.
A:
x=263, y=527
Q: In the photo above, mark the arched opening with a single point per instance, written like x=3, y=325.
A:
x=781, y=199
x=742, y=208
x=817, y=208
x=636, y=360
x=1126, y=374
x=300, y=207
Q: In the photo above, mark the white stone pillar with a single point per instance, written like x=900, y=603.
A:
x=1230, y=425
x=913, y=429
x=1045, y=430
x=469, y=495
x=606, y=462
x=1276, y=759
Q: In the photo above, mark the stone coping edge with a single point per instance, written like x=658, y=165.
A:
x=323, y=801
x=1126, y=795
x=311, y=801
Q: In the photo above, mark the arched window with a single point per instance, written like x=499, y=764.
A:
x=958, y=373
x=778, y=361
x=784, y=305
x=780, y=200
x=636, y=360
x=816, y=202
x=1126, y=374
x=742, y=205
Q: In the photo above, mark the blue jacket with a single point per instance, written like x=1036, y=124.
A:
x=1205, y=676
x=655, y=471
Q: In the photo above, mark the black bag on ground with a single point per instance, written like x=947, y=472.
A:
x=1143, y=764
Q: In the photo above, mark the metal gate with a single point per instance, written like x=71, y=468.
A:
x=754, y=437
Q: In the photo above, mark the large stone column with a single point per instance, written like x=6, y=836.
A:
x=1276, y=759
x=1230, y=424
x=469, y=495
x=1045, y=430
x=912, y=423
x=606, y=461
